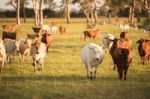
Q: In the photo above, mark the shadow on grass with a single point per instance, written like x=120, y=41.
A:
x=53, y=78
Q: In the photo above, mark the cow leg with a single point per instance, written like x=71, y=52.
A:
x=120, y=72
x=125, y=73
x=114, y=66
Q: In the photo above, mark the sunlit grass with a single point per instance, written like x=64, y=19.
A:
x=64, y=74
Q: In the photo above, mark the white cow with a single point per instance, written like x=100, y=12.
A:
x=92, y=55
x=38, y=53
x=54, y=29
x=124, y=27
x=2, y=54
x=106, y=40
x=46, y=28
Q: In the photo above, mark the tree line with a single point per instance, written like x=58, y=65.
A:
x=90, y=9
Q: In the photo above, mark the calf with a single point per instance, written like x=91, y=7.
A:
x=91, y=34
x=92, y=55
x=144, y=49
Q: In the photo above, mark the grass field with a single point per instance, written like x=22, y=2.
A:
x=64, y=74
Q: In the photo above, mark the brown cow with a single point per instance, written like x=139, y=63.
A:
x=62, y=30
x=47, y=39
x=9, y=27
x=120, y=59
x=144, y=49
x=91, y=34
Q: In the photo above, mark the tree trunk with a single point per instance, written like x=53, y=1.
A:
x=68, y=12
x=109, y=17
x=24, y=12
x=87, y=16
x=18, y=13
x=41, y=13
x=95, y=16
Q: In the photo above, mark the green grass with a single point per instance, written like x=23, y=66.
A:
x=64, y=75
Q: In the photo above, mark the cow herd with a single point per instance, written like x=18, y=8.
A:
x=92, y=54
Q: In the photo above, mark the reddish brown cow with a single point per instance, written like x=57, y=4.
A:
x=62, y=30
x=144, y=49
x=47, y=38
x=91, y=34
x=9, y=27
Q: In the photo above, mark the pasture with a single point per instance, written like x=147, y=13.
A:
x=64, y=74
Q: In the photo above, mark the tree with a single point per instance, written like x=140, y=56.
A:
x=37, y=6
x=90, y=9
x=16, y=5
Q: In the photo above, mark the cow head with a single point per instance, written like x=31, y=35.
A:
x=95, y=52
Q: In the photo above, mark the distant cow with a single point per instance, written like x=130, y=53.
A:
x=54, y=27
x=10, y=35
x=91, y=34
x=62, y=30
x=124, y=27
x=2, y=54
x=92, y=55
x=106, y=39
x=10, y=28
x=144, y=49
x=38, y=53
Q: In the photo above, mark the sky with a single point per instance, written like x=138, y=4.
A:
x=74, y=7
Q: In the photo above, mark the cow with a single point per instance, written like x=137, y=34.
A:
x=32, y=35
x=121, y=61
x=38, y=53
x=10, y=28
x=124, y=27
x=91, y=34
x=144, y=49
x=92, y=55
x=112, y=49
x=23, y=48
x=54, y=28
x=2, y=54
x=45, y=28
x=62, y=30
x=10, y=35
x=106, y=40
x=47, y=39
x=10, y=46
